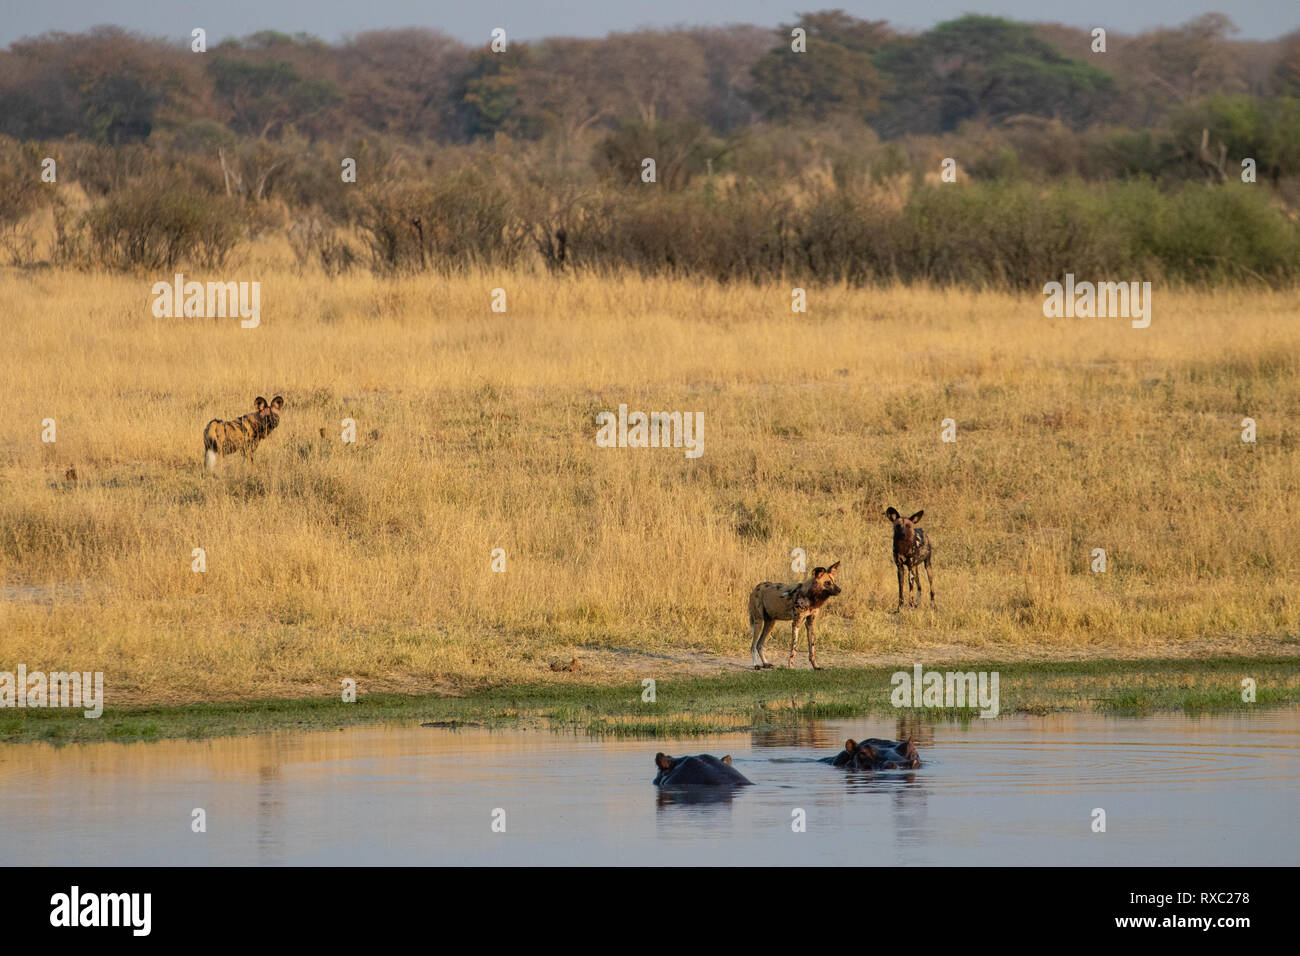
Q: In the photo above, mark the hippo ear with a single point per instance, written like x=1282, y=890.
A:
x=907, y=748
x=663, y=761
x=850, y=745
x=727, y=760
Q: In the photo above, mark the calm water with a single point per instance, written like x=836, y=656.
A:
x=1176, y=790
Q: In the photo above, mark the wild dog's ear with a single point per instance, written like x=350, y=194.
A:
x=278, y=402
x=892, y=513
x=663, y=761
x=727, y=760
x=850, y=745
x=831, y=569
x=818, y=572
x=259, y=403
x=916, y=517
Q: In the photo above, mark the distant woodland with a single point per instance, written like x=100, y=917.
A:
x=1176, y=151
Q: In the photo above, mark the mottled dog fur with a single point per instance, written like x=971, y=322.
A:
x=911, y=550
x=241, y=435
x=797, y=603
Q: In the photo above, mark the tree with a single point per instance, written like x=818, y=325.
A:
x=264, y=96
x=654, y=76
x=106, y=85
x=119, y=109
x=403, y=81
x=730, y=54
x=488, y=95
x=984, y=68
x=834, y=77
x=1286, y=75
x=1167, y=68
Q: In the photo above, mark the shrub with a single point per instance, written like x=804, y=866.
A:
x=464, y=221
x=145, y=227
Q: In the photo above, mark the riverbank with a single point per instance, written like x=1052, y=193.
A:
x=701, y=705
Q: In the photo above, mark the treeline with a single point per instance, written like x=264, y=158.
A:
x=109, y=86
x=822, y=166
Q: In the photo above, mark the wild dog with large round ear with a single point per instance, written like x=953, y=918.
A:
x=243, y=434
x=798, y=603
x=911, y=551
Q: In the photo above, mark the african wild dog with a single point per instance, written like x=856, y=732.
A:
x=911, y=550
x=769, y=603
x=243, y=434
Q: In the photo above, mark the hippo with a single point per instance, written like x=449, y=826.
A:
x=705, y=770
x=876, y=754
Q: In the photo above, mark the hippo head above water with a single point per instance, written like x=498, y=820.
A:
x=705, y=770
x=876, y=754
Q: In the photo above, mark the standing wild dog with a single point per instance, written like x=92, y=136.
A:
x=243, y=434
x=911, y=550
x=769, y=603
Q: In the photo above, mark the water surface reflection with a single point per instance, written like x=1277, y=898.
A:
x=1176, y=789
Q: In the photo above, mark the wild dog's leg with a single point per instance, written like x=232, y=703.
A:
x=760, y=630
x=899, y=565
x=812, y=643
x=929, y=576
x=915, y=579
x=794, y=637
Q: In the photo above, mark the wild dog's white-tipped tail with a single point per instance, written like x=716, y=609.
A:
x=210, y=459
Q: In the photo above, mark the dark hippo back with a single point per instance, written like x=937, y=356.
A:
x=876, y=754
x=705, y=770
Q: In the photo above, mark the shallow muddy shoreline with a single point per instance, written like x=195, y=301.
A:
x=703, y=705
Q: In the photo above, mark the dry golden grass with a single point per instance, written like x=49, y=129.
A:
x=372, y=560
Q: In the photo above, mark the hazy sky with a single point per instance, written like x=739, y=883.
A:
x=472, y=20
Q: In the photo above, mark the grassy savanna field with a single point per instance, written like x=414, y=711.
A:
x=476, y=430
